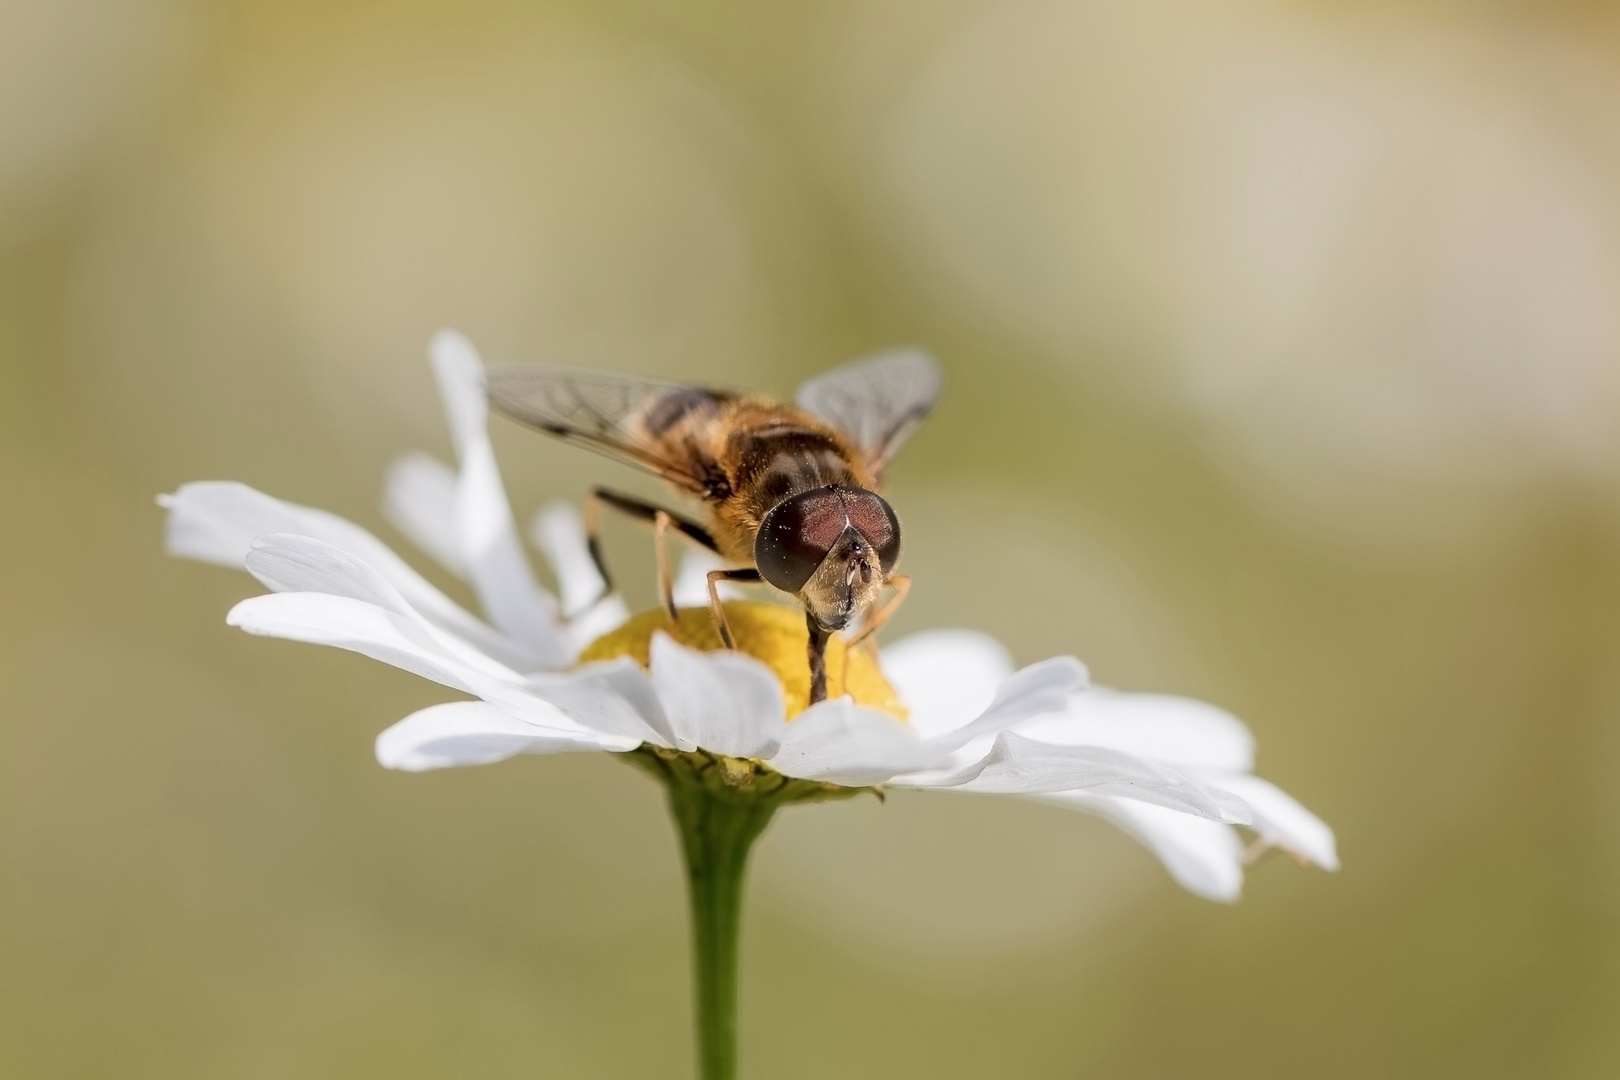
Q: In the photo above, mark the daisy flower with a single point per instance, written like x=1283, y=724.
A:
x=727, y=732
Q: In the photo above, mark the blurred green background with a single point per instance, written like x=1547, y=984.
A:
x=1284, y=357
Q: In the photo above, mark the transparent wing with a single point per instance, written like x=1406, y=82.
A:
x=878, y=401
x=600, y=410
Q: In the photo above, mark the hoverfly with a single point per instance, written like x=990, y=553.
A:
x=790, y=493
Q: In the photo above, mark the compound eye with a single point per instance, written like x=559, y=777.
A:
x=795, y=537
x=874, y=519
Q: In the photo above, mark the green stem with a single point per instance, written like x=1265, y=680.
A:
x=720, y=805
x=717, y=831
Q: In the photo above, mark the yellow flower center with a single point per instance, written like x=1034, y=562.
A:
x=776, y=636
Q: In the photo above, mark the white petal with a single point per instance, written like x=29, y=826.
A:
x=691, y=587
x=1178, y=730
x=419, y=500
x=1036, y=690
x=474, y=733
x=487, y=537
x=615, y=697
x=1205, y=857
x=497, y=568
x=557, y=531
x=602, y=700
x=721, y=701
x=945, y=677
x=842, y=742
x=217, y=521
x=1019, y=766
x=369, y=629
x=290, y=563
x=346, y=623
x=460, y=374
x=1279, y=818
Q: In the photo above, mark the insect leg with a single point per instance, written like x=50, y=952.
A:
x=593, y=544
x=715, y=578
x=666, y=581
x=902, y=588
x=630, y=506
x=642, y=510
x=817, y=654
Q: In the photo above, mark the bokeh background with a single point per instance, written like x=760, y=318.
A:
x=1284, y=355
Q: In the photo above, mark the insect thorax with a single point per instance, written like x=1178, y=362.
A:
x=776, y=464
